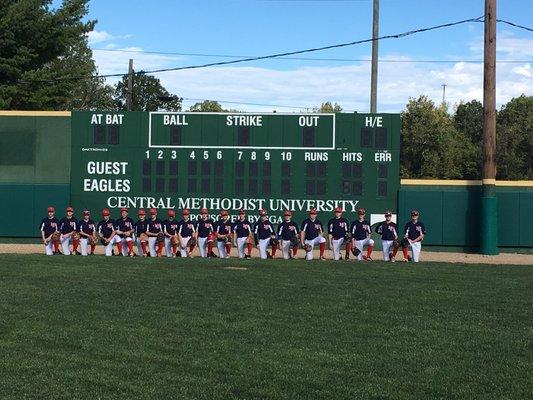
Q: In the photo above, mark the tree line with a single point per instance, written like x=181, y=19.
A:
x=46, y=64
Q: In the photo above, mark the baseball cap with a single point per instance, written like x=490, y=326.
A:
x=388, y=213
x=141, y=212
x=337, y=209
x=204, y=211
x=262, y=212
x=223, y=213
x=86, y=212
x=415, y=212
x=312, y=211
x=123, y=209
x=51, y=209
x=153, y=211
x=171, y=213
x=287, y=213
x=105, y=212
x=70, y=209
x=361, y=211
x=185, y=211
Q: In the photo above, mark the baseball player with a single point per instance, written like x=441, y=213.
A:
x=124, y=231
x=242, y=235
x=49, y=227
x=389, y=233
x=361, y=231
x=87, y=230
x=289, y=235
x=223, y=234
x=205, y=228
x=156, y=237
x=414, y=232
x=140, y=232
x=170, y=228
x=312, y=234
x=186, y=234
x=106, y=231
x=265, y=235
x=338, y=229
x=68, y=226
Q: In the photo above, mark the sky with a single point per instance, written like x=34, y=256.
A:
x=202, y=31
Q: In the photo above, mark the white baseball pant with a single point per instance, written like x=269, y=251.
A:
x=416, y=247
x=125, y=244
x=109, y=247
x=139, y=246
x=84, y=245
x=263, y=245
x=387, y=248
x=241, y=246
x=359, y=244
x=65, y=243
x=221, y=246
x=202, y=246
x=152, y=245
x=313, y=242
x=168, y=247
x=337, y=244
x=184, y=249
x=49, y=248
x=286, y=249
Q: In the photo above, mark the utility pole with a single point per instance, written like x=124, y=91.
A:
x=130, y=85
x=489, y=209
x=375, y=55
x=444, y=93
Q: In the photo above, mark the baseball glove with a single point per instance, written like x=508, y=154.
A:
x=404, y=242
x=56, y=237
x=103, y=240
x=274, y=241
x=174, y=240
x=307, y=247
x=212, y=236
x=395, y=244
x=160, y=237
x=143, y=237
x=191, y=242
x=295, y=240
x=356, y=251
x=91, y=240
x=75, y=236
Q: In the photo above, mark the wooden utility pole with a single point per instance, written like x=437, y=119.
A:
x=375, y=55
x=130, y=85
x=489, y=209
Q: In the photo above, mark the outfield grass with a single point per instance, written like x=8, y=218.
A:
x=114, y=328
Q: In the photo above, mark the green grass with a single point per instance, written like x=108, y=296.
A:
x=114, y=328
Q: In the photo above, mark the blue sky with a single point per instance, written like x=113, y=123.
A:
x=259, y=27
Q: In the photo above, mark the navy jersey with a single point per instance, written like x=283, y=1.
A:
x=186, y=228
x=154, y=226
x=312, y=228
x=171, y=227
x=140, y=227
x=106, y=228
x=49, y=226
x=263, y=230
x=124, y=225
x=387, y=231
x=242, y=228
x=223, y=228
x=87, y=227
x=68, y=225
x=413, y=230
x=205, y=227
x=287, y=230
x=338, y=227
x=360, y=229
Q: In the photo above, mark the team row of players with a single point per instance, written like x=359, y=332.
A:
x=153, y=236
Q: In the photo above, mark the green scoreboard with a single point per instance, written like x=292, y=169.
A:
x=275, y=161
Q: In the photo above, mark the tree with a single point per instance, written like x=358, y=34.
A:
x=514, y=139
x=328, y=108
x=430, y=146
x=207, y=106
x=468, y=121
x=148, y=95
x=35, y=43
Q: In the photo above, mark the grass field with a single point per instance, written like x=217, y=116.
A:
x=114, y=328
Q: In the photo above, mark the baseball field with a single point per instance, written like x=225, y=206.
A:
x=121, y=328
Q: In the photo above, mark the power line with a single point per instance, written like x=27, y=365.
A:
x=310, y=58
x=515, y=25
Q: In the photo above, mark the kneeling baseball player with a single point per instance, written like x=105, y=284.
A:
x=361, y=231
x=389, y=235
x=106, y=231
x=312, y=234
x=170, y=229
x=50, y=233
x=205, y=228
x=338, y=235
x=68, y=226
x=141, y=238
x=87, y=230
x=186, y=234
x=414, y=233
x=156, y=237
x=124, y=231
x=289, y=235
x=242, y=235
x=265, y=235
x=223, y=234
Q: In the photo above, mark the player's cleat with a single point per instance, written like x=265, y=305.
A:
x=131, y=254
x=112, y=252
x=347, y=257
x=368, y=258
x=78, y=253
x=392, y=259
x=323, y=258
x=409, y=258
x=247, y=256
x=405, y=260
x=120, y=254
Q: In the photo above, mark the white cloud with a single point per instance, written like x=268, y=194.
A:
x=103, y=36
x=306, y=87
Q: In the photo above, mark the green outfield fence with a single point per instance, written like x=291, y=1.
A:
x=35, y=162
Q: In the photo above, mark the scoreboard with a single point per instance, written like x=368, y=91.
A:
x=275, y=161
